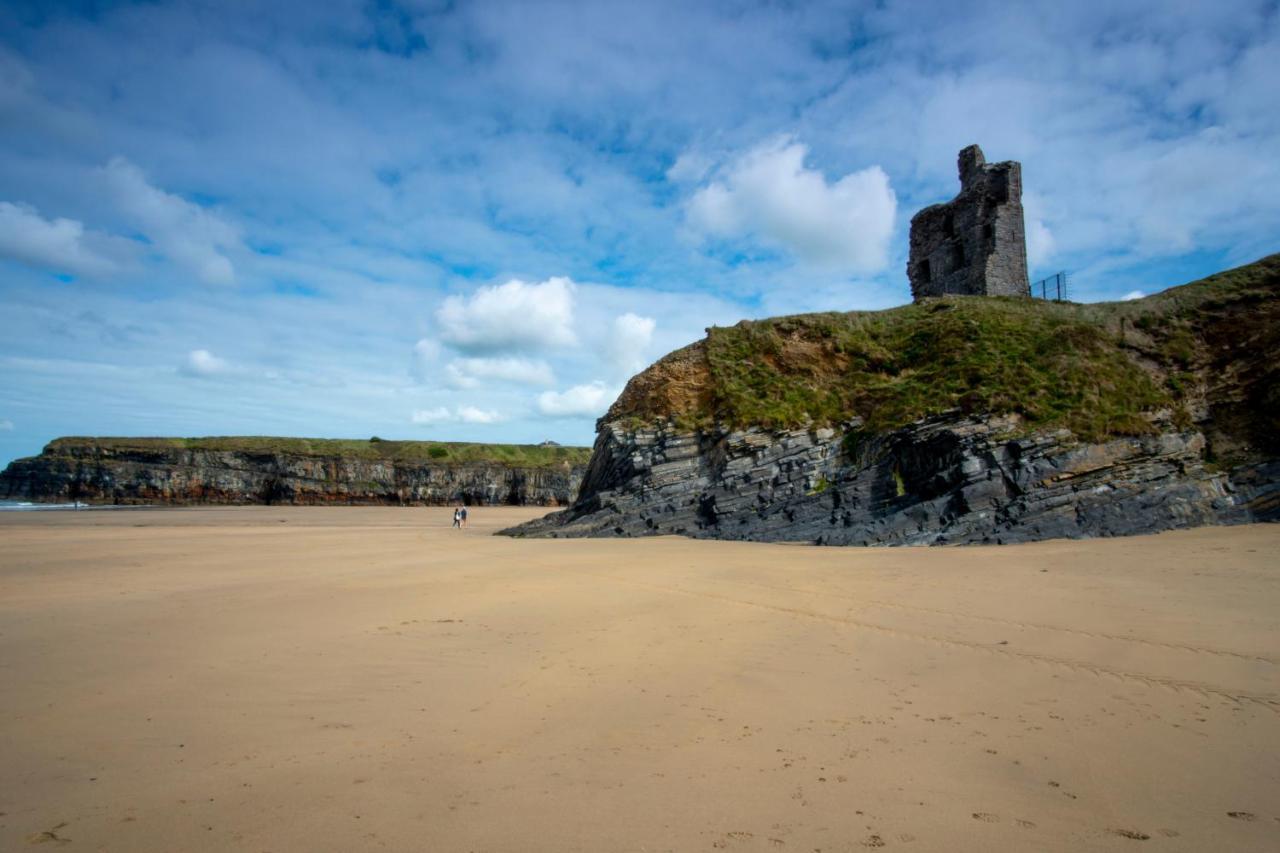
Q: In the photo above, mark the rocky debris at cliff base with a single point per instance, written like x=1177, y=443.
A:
x=948, y=480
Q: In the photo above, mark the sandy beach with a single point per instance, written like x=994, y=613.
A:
x=341, y=679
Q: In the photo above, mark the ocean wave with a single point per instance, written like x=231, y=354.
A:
x=29, y=506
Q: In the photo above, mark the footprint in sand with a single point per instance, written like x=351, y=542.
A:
x=49, y=836
x=722, y=843
x=986, y=817
x=873, y=841
x=1133, y=834
x=1242, y=815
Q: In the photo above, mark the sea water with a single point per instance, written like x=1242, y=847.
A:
x=27, y=506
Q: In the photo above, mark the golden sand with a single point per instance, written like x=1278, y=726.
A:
x=334, y=679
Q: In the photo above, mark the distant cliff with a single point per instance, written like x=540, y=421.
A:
x=953, y=420
x=261, y=470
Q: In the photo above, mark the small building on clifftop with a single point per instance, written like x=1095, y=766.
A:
x=975, y=244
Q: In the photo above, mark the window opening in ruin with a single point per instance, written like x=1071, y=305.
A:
x=925, y=272
x=988, y=231
x=949, y=226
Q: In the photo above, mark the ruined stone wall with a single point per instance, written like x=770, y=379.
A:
x=975, y=244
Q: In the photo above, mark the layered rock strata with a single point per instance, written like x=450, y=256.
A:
x=947, y=480
x=103, y=474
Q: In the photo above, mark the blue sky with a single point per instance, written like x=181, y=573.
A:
x=473, y=221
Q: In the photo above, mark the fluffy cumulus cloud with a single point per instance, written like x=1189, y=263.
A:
x=629, y=343
x=201, y=363
x=517, y=316
x=1132, y=295
x=581, y=401
x=473, y=372
x=770, y=194
x=56, y=244
x=187, y=234
x=458, y=414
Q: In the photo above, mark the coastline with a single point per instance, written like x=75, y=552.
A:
x=29, y=506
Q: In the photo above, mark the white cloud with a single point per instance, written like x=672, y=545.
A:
x=57, y=244
x=472, y=415
x=580, y=401
x=516, y=316
x=768, y=193
x=1040, y=242
x=631, y=337
x=471, y=372
x=6, y=425
x=689, y=166
x=202, y=363
x=1132, y=295
x=459, y=414
x=438, y=415
x=186, y=233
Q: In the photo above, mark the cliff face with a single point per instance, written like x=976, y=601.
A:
x=950, y=480
x=959, y=420
x=156, y=472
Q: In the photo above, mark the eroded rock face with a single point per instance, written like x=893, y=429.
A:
x=106, y=475
x=949, y=480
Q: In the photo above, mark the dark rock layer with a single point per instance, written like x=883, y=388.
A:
x=182, y=476
x=948, y=480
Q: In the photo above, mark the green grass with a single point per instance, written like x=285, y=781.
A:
x=524, y=455
x=1043, y=361
x=1099, y=370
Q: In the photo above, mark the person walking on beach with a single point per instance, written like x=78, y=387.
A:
x=457, y=517
x=463, y=510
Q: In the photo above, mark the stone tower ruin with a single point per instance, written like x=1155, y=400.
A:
x=975, y=244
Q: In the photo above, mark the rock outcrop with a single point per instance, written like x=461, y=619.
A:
x=143, y=472
x=957, y=420
x=948, y=480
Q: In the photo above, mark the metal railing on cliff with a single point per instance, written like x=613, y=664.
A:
x=1054, y=287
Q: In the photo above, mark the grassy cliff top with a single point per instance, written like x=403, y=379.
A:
x=1100, y=370
x=529, y=455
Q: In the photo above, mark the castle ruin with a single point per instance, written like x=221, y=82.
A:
x=975, y=244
